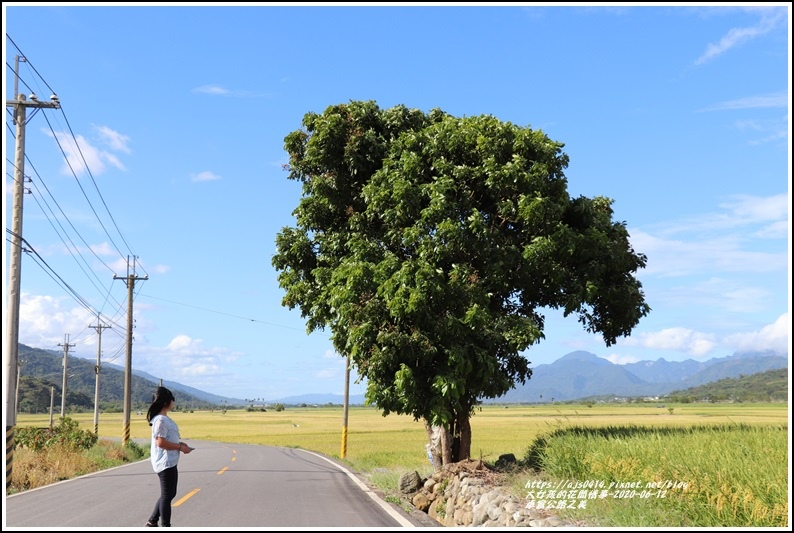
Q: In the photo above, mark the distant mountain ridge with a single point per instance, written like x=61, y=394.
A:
x=583, y=374
x=43, y=369
x=176, y=386
x=48, y=365
x=576, y=375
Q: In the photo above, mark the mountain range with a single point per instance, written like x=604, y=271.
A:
x=577, y=375
x=580, y=375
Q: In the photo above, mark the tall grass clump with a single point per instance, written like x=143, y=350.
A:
x=46, y=455
x=699, y=476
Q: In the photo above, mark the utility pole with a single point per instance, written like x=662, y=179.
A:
x=347, y=401
x=130, y=280
x=19, y=376
x=99, y=327
x=66, y=347
x=20, y=105
x=52, y=402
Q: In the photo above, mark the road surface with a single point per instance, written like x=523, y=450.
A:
x=221, y=485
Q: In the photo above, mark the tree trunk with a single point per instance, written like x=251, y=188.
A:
x=449, y=445
x=463, y=436
x=434, y=446
x=446, y=446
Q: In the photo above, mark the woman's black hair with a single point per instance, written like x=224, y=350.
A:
x=162, y=397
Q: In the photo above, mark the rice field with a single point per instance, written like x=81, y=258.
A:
x=726, y=464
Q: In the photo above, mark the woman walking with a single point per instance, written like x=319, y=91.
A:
x=166, y=448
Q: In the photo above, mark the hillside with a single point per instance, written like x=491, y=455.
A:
x=768, y=386
x=41, y=384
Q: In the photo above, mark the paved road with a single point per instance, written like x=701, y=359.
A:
x=220, y=485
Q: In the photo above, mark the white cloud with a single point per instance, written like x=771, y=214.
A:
x=738, y=211
x=737, y=36
x=103, y=249
x=776, y=230
x=621, y=359
x=749, y=209
x=212, y=89
x=83, y=156
x=112, y=160
x=161, y=269
x=779, y=134
x=156, y=269
x=204, y=176
x=119, y=266
x=775, y=337
x=114, y=139
x=671, y=258
x=188, y=358
x=44, y=320
x=772, y=129
x=217, y=90
x=685, y=340
x=774, y=100
x=181, y=343
x=727, y=241
x=721, y=294
x=201, y=369
x=336, y=371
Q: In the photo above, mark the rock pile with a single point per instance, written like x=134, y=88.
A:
x=467, y=494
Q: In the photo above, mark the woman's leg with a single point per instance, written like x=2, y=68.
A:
x=168, y=481
x=154, y=518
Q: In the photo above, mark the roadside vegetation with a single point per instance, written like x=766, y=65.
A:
x=696, y=476
x=46, y=455
x=720, y=464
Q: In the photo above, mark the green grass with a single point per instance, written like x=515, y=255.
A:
x=704, y=476
x=733, y=457
x=33, y=469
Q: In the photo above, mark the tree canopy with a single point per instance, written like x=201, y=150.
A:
x=431, y=246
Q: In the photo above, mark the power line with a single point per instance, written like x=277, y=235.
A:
x=54, y=275
x=31, y=66
x=70, y=246
x=56, y=136
x=223, y=313
x=106, y=292
x=88, y=246
x=65, y=235
x=88, y=170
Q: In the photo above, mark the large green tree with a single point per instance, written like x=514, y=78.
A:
x=431, y=246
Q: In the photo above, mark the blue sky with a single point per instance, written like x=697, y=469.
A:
x=678, y=113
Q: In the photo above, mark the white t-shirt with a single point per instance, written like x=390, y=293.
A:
x=162, y=426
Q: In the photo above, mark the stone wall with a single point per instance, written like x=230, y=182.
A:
x=468, y=494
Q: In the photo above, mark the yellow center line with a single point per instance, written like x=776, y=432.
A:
x=186, y=497
x=194, y=491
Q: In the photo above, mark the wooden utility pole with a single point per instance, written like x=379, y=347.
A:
x=66, y=347
x=130, y=281
x=99, y=327
x=20, y=105
x=52, y=402
x=344, y=413
x=20, y=362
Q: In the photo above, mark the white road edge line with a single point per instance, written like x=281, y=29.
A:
x=386, y=507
